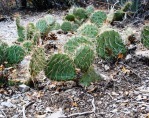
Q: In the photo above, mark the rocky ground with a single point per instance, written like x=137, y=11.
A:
x=122, y=93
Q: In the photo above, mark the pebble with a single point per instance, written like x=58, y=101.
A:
x=8, y=104
x=23, y=88
x=106, y=67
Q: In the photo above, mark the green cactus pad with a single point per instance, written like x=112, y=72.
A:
x=110, y=45
x=3, y=48
x=118, y=15
x=145, y=36
x=60, y=68
x=75, y=26
x=70, y=17
x=90, y=9
x=37, y=62
x=80, y=13
x=66, y=26
x=43, y=27
x=49, y=19
x=28, y=46
x=55, y=26
x=84, y=58
x=98, y=18
x=74, y=42
x=15, y=54
x=127, y=6
x=89, y=30
x=30, y=30
x=20, y=30
x=89, y=77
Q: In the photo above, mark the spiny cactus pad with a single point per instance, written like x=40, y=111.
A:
x=89, y=77
x=90, y=9
x=20, y=30
x=30, y=30
x=110, y=45
x=49, y=19
x=80, y=13
x=145, y=36
x=28, y=46
x=84, y=58
x=43, y=27
x=37, y=62
x=66, y=26
x=89, y=30
x=74, y=42
x=98, y=18
x=3, y=48
x=70, y=17
x=118, y=15
x=15, y=54
x=60, y=67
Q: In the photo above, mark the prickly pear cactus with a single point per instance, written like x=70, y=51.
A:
x=66, y=26
x=89, y=77
x=80, y=13
x=110, y=45
x=98, y=18
x=145, y=36
x=84, y=58
x=43, y=27
x=118, y=15
x=37, y=62
x=74, y=42
x=70, y=17
x=49, y=19
x=90, y=9
x=20, y=30
x=28, y=46
x=15, y=54
x=89, y=30
x=60, y=67
x=3, y=48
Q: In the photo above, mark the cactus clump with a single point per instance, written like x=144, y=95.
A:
x=74, y=42
x=3, y=48
x=49, y=19
x=28, y=46
x=80, y=13
x=75, y=26
x=110, y=45
x=37, y=62
x=145, y=36
x=89, y=30
x=15, y=54
x=66, y=26
x=43, y=27
x=70, y=17
x=84, y=58
x=60, y=68
x=55, y=26
x=89, y=77
x=98, y=18
x=90, y=9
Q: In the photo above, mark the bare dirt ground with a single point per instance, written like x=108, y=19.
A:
x=123, y=92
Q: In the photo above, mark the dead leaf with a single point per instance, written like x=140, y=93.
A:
x=120, y=56
x=74, y=104
x=124, y=70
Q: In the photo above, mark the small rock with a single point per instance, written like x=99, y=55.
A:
x=8, y=104
x=23, y=88
x=106, y=67
x=128, y=57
